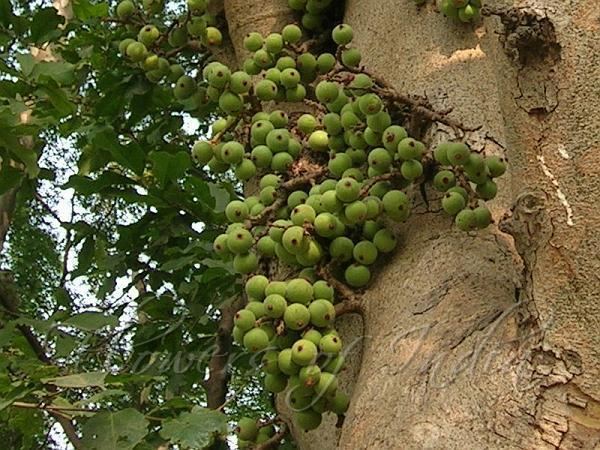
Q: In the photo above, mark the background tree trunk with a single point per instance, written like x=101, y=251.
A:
x=492, y=339
x=7, y=208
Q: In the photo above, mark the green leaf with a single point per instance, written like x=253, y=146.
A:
x=29, y=157
x=6, y=13
x=221, y=197
x=79, y=380
x=27, y=63
x=178, y=263
x=18, y=393
x=9, y=178
x=61, y=72
x=131, y=156
x=196, y=429
x=169, y=167
x=86, y=257
x=101, y=396
x=91, y=321
x=87, y=185
x=44, y=24
x=85, y=10
x=65, y=345
x=59, y=99
x=122, y=430
x=62, y=296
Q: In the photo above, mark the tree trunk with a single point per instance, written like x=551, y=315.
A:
x=490, y=339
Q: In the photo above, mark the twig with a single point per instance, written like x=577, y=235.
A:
x=51, y=407
x=65, y=269
x=47, y=208
x=274, y=441
x=290, y=185
x=347, y=294
x=217, y=137
x=374, y=180
x=417, y=105
x=348, y=307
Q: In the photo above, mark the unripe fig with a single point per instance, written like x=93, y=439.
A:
x=125, y=9
x=275, y=306
x=291, y=33
x=341, y=248
x=299, y=290
x=184, y=87
x=465, y=220
x=307, y=420
x=483, y=217
x=318, y=141
x=365, y=252
x=255, y=286
x=245, y=170
x=453, y=203
x=236, y=211
x=256, y=340
x=396, y=205
x=247, y=429
x=269, y=363
x=285, y=363
x=322, y=313
x=244, y=319
x=327, y=385
x=444, y=180
x=409, y=148
x=340, y=402
x=342, y=34
x=351, y=57
x=245, y=263
x=357, y=275
x=457, y=153
x=275, y=382
x=293, y=240
x=302, y=214
x=304, y=352
x=202, y=152
x=385, y=241
x=239, y=241
x=347, y=189
x=296, y=316
x=253, y=41
x=310, y=375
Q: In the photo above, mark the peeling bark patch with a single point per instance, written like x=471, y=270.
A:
x=529, y=38
x=562, y=151
x=559, y=193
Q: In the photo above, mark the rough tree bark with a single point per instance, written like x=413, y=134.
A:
x=488, y=340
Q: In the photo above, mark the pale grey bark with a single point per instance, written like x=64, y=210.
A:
x=486, y=340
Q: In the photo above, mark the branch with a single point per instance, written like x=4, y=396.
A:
x=47, y=208
x=218, y=379
x=7, y=208
x=288, y=186
x=274, y=441
x=374, y=180
x=419, y=106
x=51, y=407
x=348, y=307
x=65, y=262
x=10, y=301
x=348, y=295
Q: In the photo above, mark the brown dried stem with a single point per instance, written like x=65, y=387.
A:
x=274, y=441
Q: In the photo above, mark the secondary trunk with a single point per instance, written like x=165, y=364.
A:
x=486, y=340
